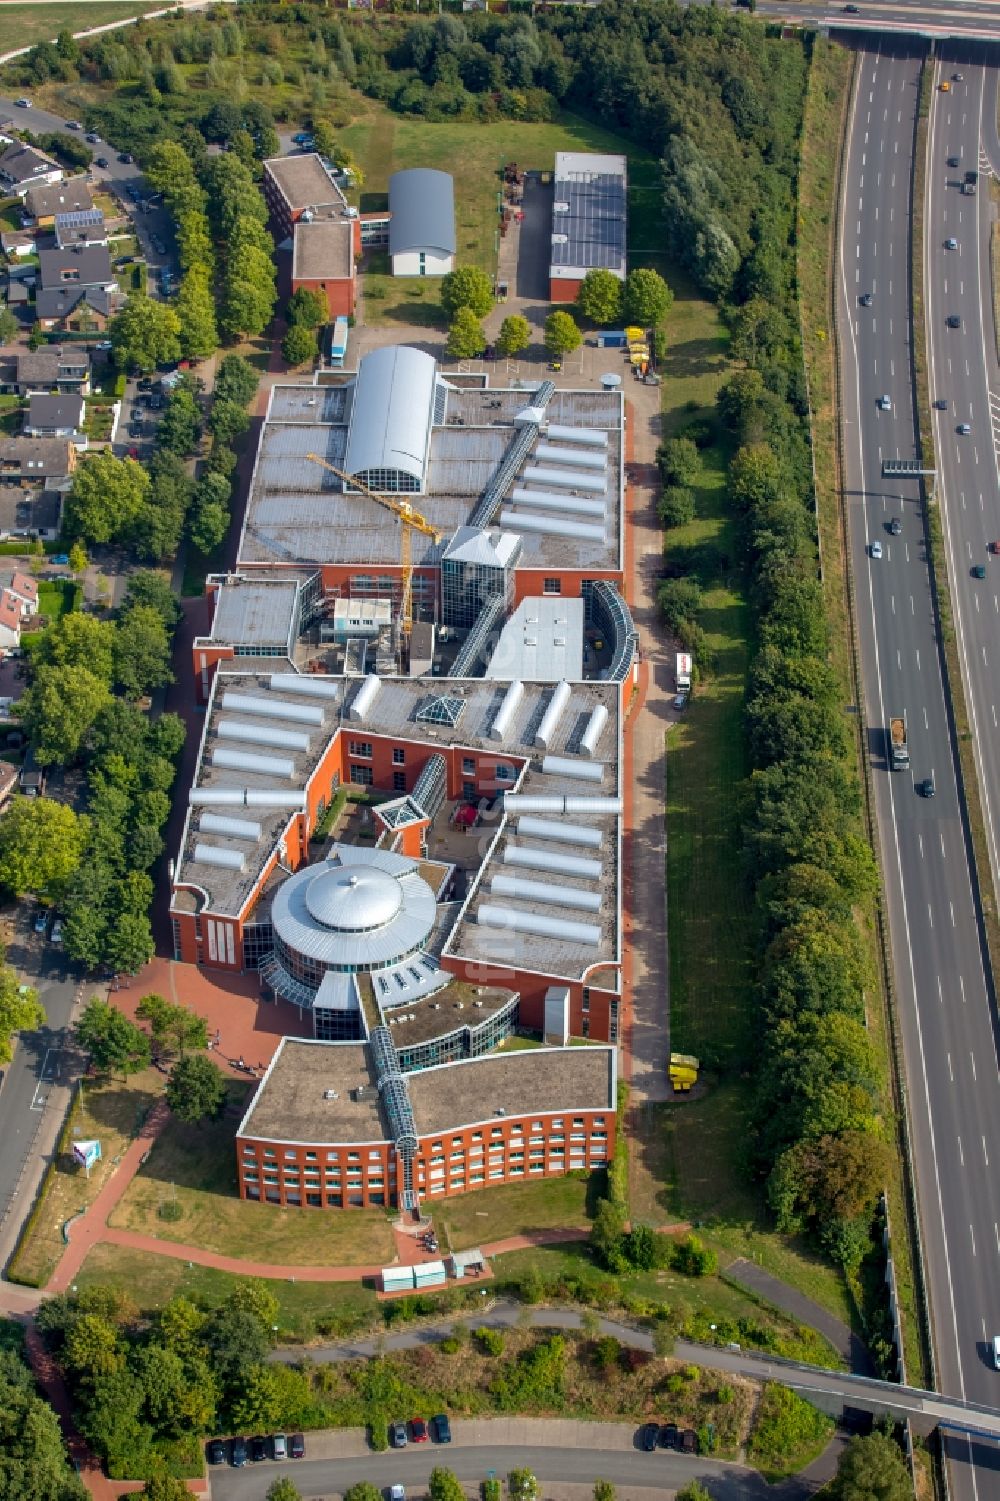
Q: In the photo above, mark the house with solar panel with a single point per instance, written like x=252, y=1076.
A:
x=589, y=220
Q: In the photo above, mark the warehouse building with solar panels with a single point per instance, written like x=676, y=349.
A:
x=589, y=220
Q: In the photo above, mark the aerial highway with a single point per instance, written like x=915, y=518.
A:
x=943, y=993
x=965, y=388
x=946, y=18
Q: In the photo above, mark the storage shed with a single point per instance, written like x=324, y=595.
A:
x=422, y=227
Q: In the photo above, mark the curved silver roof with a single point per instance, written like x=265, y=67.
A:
x=392, y=413
x=360, y=909
x=422, y=202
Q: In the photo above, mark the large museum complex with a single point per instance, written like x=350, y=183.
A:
x=427, y=611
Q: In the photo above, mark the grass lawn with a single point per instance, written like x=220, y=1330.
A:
x=111, y=1112
x=43, y=23
x=10, y=415
x=58, y=597
x=517, y=1209
x=97, y=422
x=195, y=1167
x=383, y=143
x=342, y=1307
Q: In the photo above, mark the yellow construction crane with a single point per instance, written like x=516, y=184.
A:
x=408, y=519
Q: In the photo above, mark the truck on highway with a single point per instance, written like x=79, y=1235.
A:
x=682, y=675
x=897, y=742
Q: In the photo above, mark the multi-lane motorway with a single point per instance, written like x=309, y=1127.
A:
x=945, y=1002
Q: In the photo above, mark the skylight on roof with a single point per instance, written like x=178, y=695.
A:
x=442, y=710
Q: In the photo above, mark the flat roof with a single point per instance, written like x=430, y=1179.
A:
x=589, y=214
x=291, y=1104
x=303, y=181
x=323, y=248
x=457, y=1005
x=541, y=642
x=255, y=612
x=298, y=514
x=392, y=713
x=536, y=1081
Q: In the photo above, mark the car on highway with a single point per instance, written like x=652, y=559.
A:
x=397, y=1435
x=958, y=77
x=979, y=571
x=951, y=243
x=441, y=1428
x=926, y=788
x=669, y=1436
x=24, y=104
x=297, y=1446
x=964, y=429
x=945, y=87
x=258, y=1449
x=953, y=161
x=215, y=1452
x=418, y=1431
x=648, y=1435
x=850, y=10
x=994, y=547
x=102, y=162
x=397, y=1493
x=875, y=550
x=954, y=321
x=941, y=404
x=885, y=402
x=238, y=1453
x=895, y=526
x=866, y=299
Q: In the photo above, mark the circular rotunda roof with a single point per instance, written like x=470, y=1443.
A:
x=361, y=909
x=354, y=900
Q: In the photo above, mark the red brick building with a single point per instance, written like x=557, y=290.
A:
x=319, y=1132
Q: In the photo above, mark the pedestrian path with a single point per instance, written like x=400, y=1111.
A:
x=805, y=1311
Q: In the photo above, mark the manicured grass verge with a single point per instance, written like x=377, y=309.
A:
x=306, y=1308
x=788, y=1433
x=194, y=1168
x=111, y=1112
x=517, y=1209
x=24, y=25
x=58, y=597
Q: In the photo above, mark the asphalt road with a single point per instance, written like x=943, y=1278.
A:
x=964, y=371
x=945, y=1006
x=945, y=18
x=411, y=1467
x=114, y=178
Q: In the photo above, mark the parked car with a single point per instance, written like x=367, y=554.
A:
x=102, y=162
x=648, y=1435
x=56, y=935
x=418, y=1431
x=61, y=559
x=93, y=138
x=73, y=125
x=158, y=245
x=156, y=401
x=215, y=1452
x=24, y=104
x=238, y=1453
x=689, y=1441
x=397, y=1435
x=680, y=702
x=103, y=344
x=397, y=1493
x=258, y=1449
x=279, y=1446
x=41, y=921
x=297, y=1446
x=668, y=1436
x=126, y=158
x=441, y=1428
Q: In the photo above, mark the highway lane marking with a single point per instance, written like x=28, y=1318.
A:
x=940, y=991
x=918, y=658
x=961, y=986
x=951, y=1071
x=926, y=720
x=961, y=1157
x=972, y=1233
x=985, y=1153
x=951, y=909
x=972, y=1060
x=930, y=914
x=943, y=855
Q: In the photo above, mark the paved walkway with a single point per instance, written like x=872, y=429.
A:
x=805, y=1311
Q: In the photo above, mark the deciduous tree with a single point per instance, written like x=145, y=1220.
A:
x=466, y=287
x=195, y=308
x=236, y=380
x=514, y=336
x=299, y=345
x=561, y=334
x=141, y=652
x=106, y=498
x=197, y=1089
x=145, y=334
x=600, y=296
x=41, y=845
x=20, y=1011
x=308, y=308
x=466, y=339
x=444, y=1485
x=58, y=710
x=648, y=299
x=871, y=1469
x=116, y=1045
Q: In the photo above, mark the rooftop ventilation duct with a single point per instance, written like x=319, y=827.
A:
x=595, y=725
x=562, y=766
x=505, y=713
x=246, y=797
x=539, y=925
x=523, y=889
x=533, y=802
x=552, y=526
x=364, y=698
x=565, y=833
x=262, y=734
x=527, y=857
x=272, y=708
x=557, y=707
x=236, y=828
x=228, y=759
x=566, y=479
x=544, y=500
x=294, y=682
x=590, y=437
x=576, y=458
x=211, y=854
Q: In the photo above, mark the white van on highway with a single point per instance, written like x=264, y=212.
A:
x=996, y=1352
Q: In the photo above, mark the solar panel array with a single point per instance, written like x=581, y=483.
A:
x=593, y=221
